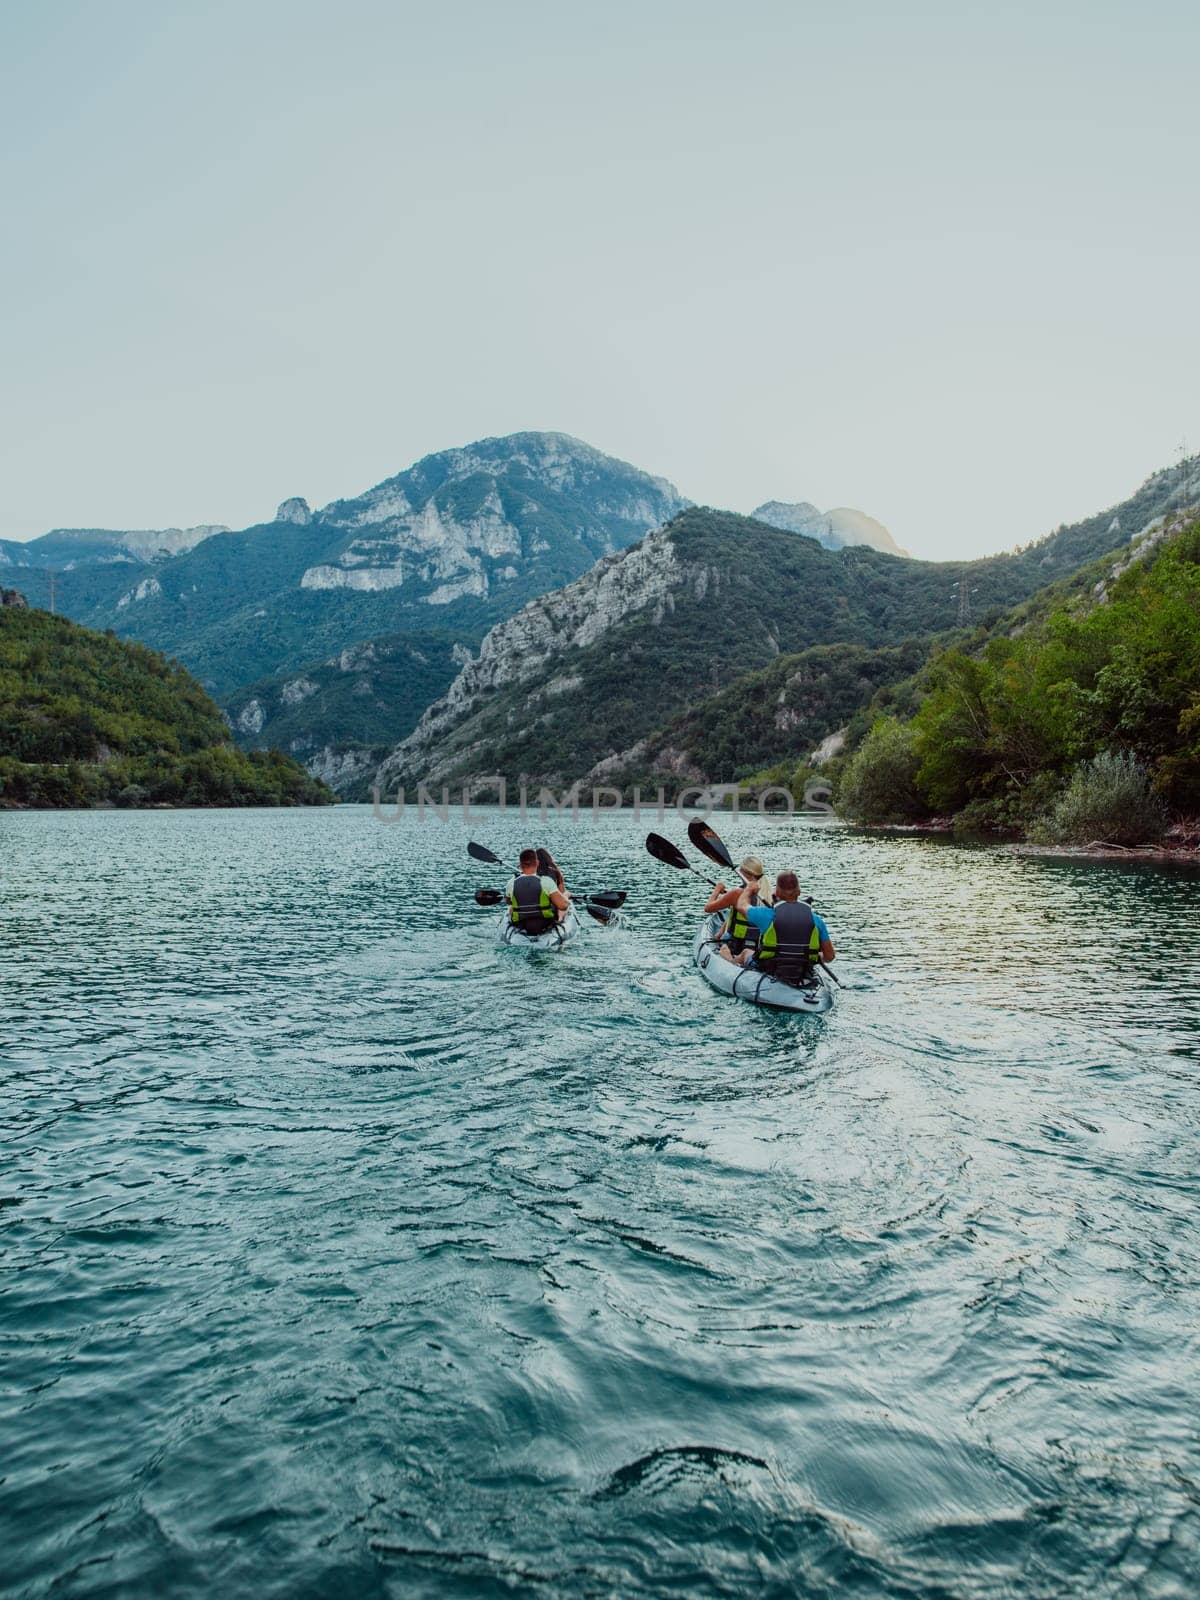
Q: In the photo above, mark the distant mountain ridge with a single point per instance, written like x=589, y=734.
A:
x=66, y=548
x=455, y=523
x=834, y=529
x=453, y=544
x=589, y=683
x=407, y=578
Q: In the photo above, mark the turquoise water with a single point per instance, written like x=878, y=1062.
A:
x=347, y=1255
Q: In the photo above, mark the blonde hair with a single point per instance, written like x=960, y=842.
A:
x=753, y=866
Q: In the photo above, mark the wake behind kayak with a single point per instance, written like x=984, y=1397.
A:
x=559, y=934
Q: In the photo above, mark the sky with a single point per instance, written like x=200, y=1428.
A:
x=938, y=262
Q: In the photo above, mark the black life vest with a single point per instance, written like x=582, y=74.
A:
x=791, y=946
x=530, y=908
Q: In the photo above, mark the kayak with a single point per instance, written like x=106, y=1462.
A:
x=553, y=939
x=759, y=988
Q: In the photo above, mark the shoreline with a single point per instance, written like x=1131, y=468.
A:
x=1180, y=845
x=1183, y=855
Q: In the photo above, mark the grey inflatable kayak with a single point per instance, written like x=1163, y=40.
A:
x=758, y=988
x=553, y=939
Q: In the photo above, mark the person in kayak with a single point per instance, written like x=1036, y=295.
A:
x=549, y=868
x=748, y=906
x=797, y=939
x=535, y=900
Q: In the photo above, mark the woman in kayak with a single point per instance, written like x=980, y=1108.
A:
x=549, y=868
x=749, y=908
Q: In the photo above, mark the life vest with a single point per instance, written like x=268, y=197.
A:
x=530, y=908
x=738, y=931
x=791, y=946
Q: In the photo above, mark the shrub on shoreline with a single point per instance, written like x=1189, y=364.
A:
x=1109, y=799
x=879, y=782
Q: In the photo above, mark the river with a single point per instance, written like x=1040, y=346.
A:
x=346, y=1254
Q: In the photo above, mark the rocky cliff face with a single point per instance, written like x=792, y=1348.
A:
x=591, y=683
x=643, y=581
x=341, y=715
x=451, y=546
x=471, y=523
x=294, y=510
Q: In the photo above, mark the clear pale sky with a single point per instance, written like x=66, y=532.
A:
x=937, y=262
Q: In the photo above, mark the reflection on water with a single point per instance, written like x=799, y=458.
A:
x=345, y=1253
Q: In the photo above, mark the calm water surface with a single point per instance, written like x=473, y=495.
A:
x=345, y=1254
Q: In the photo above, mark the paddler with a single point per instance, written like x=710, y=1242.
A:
x=749, y=908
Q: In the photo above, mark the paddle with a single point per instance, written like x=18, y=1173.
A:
x=708, y=841
x=482, y=853
x=672, y=856
x=613, y=898
x=607, y=899
x=602, y=914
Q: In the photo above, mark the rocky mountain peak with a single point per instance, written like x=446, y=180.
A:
x=484, y=521
x=294, y=510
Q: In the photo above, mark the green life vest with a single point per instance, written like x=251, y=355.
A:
x=792, y=944
x=531, y=908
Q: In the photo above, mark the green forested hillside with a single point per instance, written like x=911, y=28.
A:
x=776, y=715
x=86, y=719
x=369, y=694
x=743, y=595
x=1093, y=696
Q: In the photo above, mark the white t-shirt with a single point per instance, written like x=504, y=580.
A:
x=549, y=884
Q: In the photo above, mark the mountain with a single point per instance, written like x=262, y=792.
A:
x=529, y=507
x=63, y=549
x=586, y=684
x=339, y=716
x=451, y=545
x=87, y=719
x=834, y=529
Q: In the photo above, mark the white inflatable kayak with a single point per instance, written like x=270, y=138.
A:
x=757, y=987
x=553, y=939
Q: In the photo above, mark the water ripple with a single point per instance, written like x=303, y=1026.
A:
x=345, y=1253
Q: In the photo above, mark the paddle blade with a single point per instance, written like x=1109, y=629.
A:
x=663, y=850
x=482, y=853
x=709, y=843
x=602, y=914
x=614, y=899
x=488, y=897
